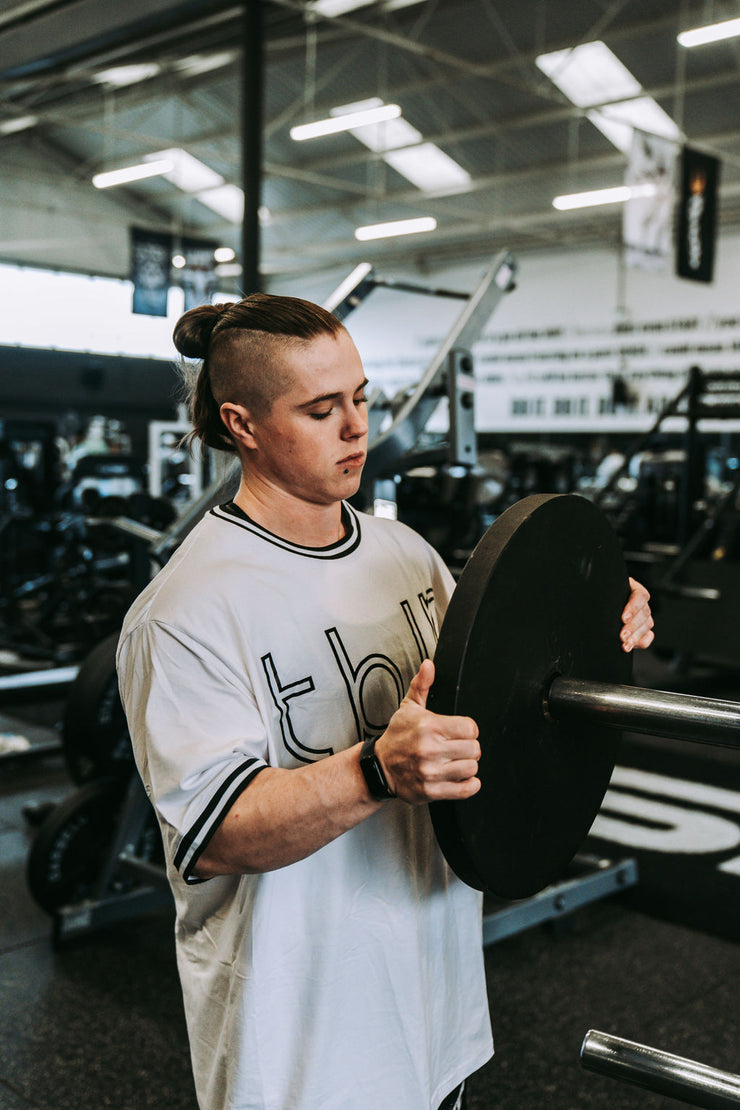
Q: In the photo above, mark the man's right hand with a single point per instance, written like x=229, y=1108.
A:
x=286, y=814
x=428, y=757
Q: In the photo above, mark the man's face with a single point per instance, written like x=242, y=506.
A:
x=313, y=441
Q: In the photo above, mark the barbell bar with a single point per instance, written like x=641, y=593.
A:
x=655, y=712
x=662, y=1072
x=530, y=649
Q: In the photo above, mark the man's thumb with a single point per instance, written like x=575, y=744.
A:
x=421, y=684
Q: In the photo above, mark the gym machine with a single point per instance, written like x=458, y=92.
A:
x=174, y=471
x=68, y=576
x=682, y=537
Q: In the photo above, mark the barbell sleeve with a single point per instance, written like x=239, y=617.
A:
x=656, y=712
x=662, y=1072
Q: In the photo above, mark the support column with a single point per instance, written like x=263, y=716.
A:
x=252, y=75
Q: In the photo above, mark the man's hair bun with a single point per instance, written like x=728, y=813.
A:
x=193, y=330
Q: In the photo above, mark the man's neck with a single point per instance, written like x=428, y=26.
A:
x=299, y=522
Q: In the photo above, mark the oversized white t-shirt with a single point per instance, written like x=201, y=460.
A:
x=353, y=979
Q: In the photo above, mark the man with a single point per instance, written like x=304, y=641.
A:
x=275, y=676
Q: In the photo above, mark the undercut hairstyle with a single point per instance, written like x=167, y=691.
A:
x=236, y=343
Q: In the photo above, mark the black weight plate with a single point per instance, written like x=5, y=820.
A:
x=541, y=595
x=69, y=850
x=72, y=846
x=95, y=738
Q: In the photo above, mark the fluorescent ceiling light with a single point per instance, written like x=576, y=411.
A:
x=396, y=227
x=390, y=135
x=186, y=172
x=589, y=74
x=617, y=121
x=224, y=254
x=428, y=167
x=195, y=64
x=20, y=123
x=345, y=122
x=132, y=173
x=337, y=7
x=402, y=147
x=330, y=8
x=120, y=76
x=592, y=77
x=192, y=176
x=596, y=197
x=226, y=200
x=713, y=32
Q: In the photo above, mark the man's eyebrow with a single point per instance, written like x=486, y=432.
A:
x=331, y=396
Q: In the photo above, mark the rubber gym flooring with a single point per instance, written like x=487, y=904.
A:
x=97, y=1022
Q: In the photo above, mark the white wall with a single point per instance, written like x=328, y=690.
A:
x=576, y=320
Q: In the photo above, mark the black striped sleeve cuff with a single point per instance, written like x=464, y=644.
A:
x=194, y=841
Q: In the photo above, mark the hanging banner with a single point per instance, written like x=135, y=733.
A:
x=198, y=275
x=647, y=219
x=151, y=258
x=697, y=215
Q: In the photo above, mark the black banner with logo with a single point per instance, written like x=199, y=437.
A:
x=151, y=258
x=198, y=276
x=697, y=215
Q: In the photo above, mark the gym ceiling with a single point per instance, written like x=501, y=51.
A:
x=463, y=73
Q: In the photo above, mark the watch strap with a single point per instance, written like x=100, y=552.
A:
x=373, y=772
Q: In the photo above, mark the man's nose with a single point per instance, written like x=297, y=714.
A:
x=356, y=421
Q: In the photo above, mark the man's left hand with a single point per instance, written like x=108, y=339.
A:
x=637, y=629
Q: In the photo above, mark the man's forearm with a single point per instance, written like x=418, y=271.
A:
x=285, y=815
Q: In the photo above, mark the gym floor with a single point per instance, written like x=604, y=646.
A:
x=97, y=1021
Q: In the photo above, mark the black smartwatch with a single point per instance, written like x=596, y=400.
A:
x=375, y=778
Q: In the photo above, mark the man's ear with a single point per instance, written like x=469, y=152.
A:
x=238, y=422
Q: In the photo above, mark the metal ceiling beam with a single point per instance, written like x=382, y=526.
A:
x=361, y=156
x=319, y=173
x=545, y=118
x=489, y=70
x=51, y=41
x=511, y=178
x=343, y=27
x=32, y=9
x=460, y=243
x=324, y=173
x=93, y=121
x=497, y=70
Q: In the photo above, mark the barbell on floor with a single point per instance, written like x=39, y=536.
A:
x=662, y=1072
x=530, y=649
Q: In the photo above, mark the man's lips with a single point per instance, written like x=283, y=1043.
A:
x=353, y=460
